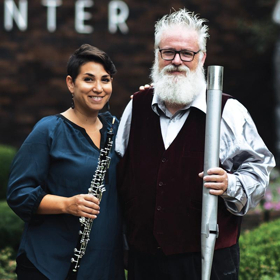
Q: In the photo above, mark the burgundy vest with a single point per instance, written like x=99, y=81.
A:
x=160, y=190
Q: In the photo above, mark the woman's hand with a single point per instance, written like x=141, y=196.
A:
x=83, y=205
x=142, y=88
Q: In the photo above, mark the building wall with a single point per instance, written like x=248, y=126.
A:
x=33, y=62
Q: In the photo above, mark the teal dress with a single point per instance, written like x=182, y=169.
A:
x=58, y=157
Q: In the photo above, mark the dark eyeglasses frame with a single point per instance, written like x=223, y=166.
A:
x=179, y=52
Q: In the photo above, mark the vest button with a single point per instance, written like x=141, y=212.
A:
x=160, y=184
x=164, y=160
x=159, y=208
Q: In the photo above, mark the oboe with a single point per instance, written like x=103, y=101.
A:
x=96, y=188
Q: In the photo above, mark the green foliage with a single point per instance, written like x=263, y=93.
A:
x=7, y=154
x=271, y=200
x=11, y=227
x=260, y=253
x=7, y=264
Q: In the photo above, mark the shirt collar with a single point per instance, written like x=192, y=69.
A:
x=199, y=102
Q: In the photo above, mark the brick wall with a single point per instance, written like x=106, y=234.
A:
x=33, y=62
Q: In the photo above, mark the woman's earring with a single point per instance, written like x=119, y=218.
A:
x=72, y=104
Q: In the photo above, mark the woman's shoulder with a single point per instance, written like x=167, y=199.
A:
x=109, y=119
x=45, y=126
x=48, y=120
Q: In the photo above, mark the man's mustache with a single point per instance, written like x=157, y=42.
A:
x=171, y=68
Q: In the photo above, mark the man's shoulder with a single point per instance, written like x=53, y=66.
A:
x=144, y=93
x=235, y=114
x=225, y=95
x=225, y=98
x=142, y=101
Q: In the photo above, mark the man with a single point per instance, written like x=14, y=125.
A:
x=161, y=138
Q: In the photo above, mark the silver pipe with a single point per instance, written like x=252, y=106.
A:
x=209, y=226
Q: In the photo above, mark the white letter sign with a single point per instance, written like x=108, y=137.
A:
x=18, y=14
x=118, y=14
x=51, y=14
x=81, y=16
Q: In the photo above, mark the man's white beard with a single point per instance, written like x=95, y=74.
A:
x=177, y=89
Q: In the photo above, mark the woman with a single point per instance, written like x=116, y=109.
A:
x=51, y=174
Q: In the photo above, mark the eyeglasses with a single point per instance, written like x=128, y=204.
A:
x=185, y=55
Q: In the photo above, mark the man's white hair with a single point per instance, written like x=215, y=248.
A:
x=183, y=18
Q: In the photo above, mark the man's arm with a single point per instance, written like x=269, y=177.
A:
x=245, y=157
x=122, y=137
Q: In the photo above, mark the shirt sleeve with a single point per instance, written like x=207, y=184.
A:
x=122, y=137
x=245, y=156
x=27, y=175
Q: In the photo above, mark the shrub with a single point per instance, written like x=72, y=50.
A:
x=260, y=252
x=11, y=227
x=271, y=200
x=7, y=154
x=7, y=264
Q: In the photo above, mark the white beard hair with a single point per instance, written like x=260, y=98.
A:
x=177, y=89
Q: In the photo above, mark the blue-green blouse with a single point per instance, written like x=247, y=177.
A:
x=58, y=157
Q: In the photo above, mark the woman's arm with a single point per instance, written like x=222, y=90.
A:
x=82, y=205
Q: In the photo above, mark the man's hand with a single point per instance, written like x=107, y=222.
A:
x=216, y=180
